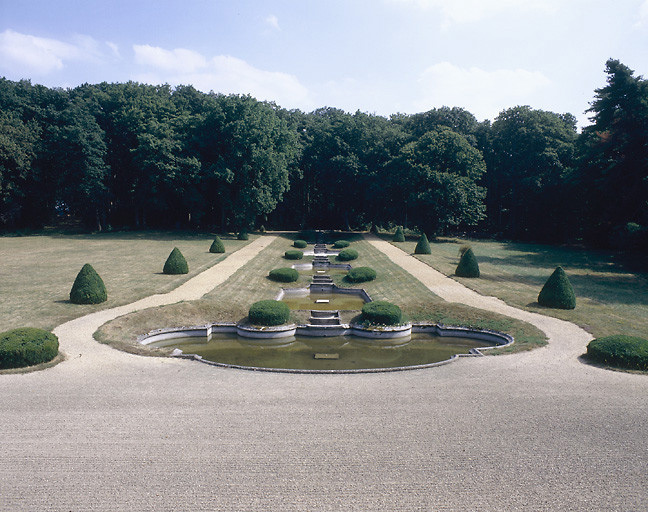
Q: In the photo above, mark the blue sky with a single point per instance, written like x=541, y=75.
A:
x=378, y=56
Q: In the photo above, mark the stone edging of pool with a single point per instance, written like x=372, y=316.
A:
x=499, y=339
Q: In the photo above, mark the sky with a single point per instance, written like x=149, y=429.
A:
x=377, y=56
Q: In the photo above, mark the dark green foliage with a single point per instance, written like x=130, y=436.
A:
x=468, y=266
x=88, y=287
x=341, y=244
x=557, y=291
x=269, y=312
x=300, y=244
x=423, y=246
x=361, y=274
x=621, y=351
x=284, y=275
x=381, y=312
x=374, y=229
x=293, y=255
x=347, y=255
x=217, y=246
x=399, y=236
x=243, y=235
x=176, y=263
x=27, y=346
x=262, y=229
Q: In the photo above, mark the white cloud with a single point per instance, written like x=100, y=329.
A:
x=179, y=60
x=36, y=55
x=113, y=48
x=273, y=22
x=643, y=15
x=484, y=93
x=465, y=11
x=222, y=73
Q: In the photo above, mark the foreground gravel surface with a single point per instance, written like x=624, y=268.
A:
x=106, y=430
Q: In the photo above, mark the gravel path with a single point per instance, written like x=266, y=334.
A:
x=106, y=430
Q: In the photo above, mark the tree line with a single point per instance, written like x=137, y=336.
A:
x=129, y=155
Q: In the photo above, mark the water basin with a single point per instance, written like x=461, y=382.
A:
x=310, y=300
x=335, y=353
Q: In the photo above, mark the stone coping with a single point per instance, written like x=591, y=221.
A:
x=332, y=288
x=275, y=333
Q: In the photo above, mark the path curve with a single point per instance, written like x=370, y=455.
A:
x=76, y=340
x=567, y=341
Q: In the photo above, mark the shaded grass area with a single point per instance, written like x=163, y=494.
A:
x=230, y=301
x=609, y=298
x=37, y=272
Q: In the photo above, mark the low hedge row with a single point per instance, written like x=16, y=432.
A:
x=293, y=254
x=347, y=255
x=284, y=275
x=381, y=312
x=269, y=313
x=300, y=244
x=341, y=244
x=621, y=351
x=27, y=346
x=361, y=274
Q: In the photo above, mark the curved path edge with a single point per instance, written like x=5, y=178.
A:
x=76, y=336
x=567, y=341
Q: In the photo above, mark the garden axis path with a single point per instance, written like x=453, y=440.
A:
x=537, y=431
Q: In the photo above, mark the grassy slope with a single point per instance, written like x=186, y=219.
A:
x=37, y=272
x=609, y=299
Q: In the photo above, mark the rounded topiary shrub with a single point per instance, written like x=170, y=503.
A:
x=557, y=291
x=243, y=235
x=217, y=246
x=347, y=254
x=284, y=275
x=621, y=351
x=341, y=244
x=269, y=312
x=293, y=255
x=468, y=266
x=176, y=263
x=423, y=246
x=361, y=274
x=381, y=312
x=88, y=287
x=374, y=229
x=399, y=236
x=300, y=244
x=27, y=346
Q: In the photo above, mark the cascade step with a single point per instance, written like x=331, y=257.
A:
x=325, y=318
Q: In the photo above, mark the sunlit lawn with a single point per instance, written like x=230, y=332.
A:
x=37, y=272
x=609, y=299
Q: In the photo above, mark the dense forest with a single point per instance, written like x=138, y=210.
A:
x=116, y=156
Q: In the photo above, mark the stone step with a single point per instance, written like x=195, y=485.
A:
x=325, y=314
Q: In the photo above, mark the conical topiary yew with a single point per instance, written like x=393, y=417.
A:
x=399, y=236
x=88, y=287
x=217, y=246
x=468, y=266
x=557, y=291
x=176, y=263
x=423, y=246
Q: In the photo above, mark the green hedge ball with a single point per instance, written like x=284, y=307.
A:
x=621, y=351
x=284, y=275
x=361, y=274
x=381, y=312
x=269, y=313
x=293, y=255
x=27, y=346
x=300, y=244
x=341, y=244
x=347, y=255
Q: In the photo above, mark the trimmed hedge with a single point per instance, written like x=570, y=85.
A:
x=374, y=229
x=341, y=244
x=293, y=255
x=381, y=312
x=88, y=287
x=300, y=244
x=176, y=263
x=557, y=292
x=399, y=236
x=347, y=255
x=361, y=274
x=284, y=275
x=468, y=266
x=243, y=235
x=621, y=351
x=27, y=346
x=217, y=246
x=423, y=246
x=269, y=312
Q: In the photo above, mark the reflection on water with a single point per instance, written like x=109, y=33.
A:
x=300, y=352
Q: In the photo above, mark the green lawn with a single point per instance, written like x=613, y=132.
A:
x=37, y=272
x=609, y=299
